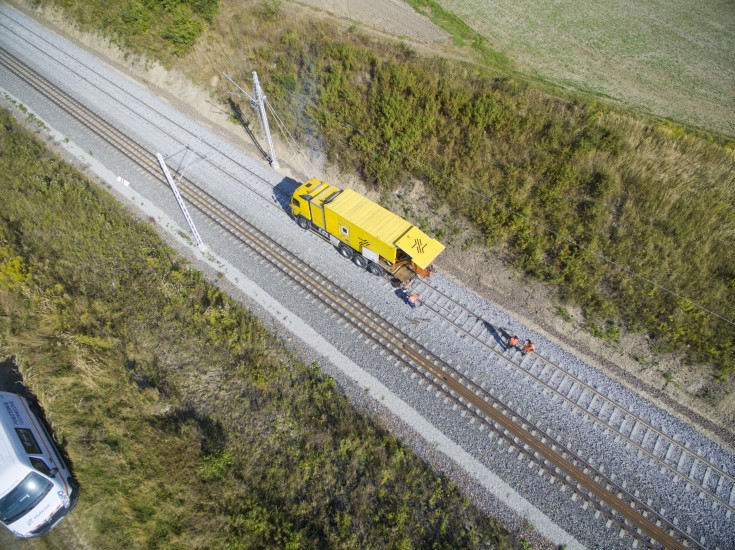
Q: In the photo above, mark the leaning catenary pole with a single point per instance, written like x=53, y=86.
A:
x=179, y=200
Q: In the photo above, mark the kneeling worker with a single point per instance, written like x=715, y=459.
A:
x=528, y=348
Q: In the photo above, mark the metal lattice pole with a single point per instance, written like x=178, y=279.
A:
x=260, y=102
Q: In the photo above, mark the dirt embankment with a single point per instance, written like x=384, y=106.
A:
x=393, y=17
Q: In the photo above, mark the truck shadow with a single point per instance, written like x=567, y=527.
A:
x=282, y=192
x=211, y=433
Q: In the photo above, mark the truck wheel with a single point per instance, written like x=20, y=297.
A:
x=303, y=222
x=375, y=269
x=359, y=261
x=345, y=251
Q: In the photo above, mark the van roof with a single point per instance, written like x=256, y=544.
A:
x=12, y=470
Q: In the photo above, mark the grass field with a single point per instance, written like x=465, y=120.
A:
x=674, y=59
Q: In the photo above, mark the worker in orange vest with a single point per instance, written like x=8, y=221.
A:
x=528, y=348
x=412, y=299
x=513, y=342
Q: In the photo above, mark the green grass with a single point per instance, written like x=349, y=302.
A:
x=461, y=33
x=564, y=314
x=187, y=423
x=652, y=195
x=161, y=30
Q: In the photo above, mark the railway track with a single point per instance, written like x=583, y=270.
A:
x=664, y=451
x=643, y=524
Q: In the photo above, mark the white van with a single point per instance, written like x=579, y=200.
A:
x=36, y=488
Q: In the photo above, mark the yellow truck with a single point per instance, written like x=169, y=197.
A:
x=373, y=237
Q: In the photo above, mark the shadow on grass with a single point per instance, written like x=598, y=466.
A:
x=213, y=437
x=11, y=380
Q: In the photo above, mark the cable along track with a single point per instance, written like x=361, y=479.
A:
x=664, y=450
x=641, y=522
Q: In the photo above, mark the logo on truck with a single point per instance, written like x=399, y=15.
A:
x=419, y=246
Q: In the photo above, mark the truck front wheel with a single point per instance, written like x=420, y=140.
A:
x=303, y=222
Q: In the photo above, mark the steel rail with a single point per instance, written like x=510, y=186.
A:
x=434, y=370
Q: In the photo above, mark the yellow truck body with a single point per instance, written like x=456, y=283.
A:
x=360, y=227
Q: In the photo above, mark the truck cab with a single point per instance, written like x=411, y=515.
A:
x=36, y=487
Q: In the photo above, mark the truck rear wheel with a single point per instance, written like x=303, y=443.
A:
x=346, y=251
x=375, y=269
x=359, y=261
x=303, y=222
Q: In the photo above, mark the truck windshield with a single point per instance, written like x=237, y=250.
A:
x=25, y=496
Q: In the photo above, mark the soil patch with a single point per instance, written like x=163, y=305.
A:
x=391, y=16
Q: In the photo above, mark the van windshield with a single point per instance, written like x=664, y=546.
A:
x=25, y=496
